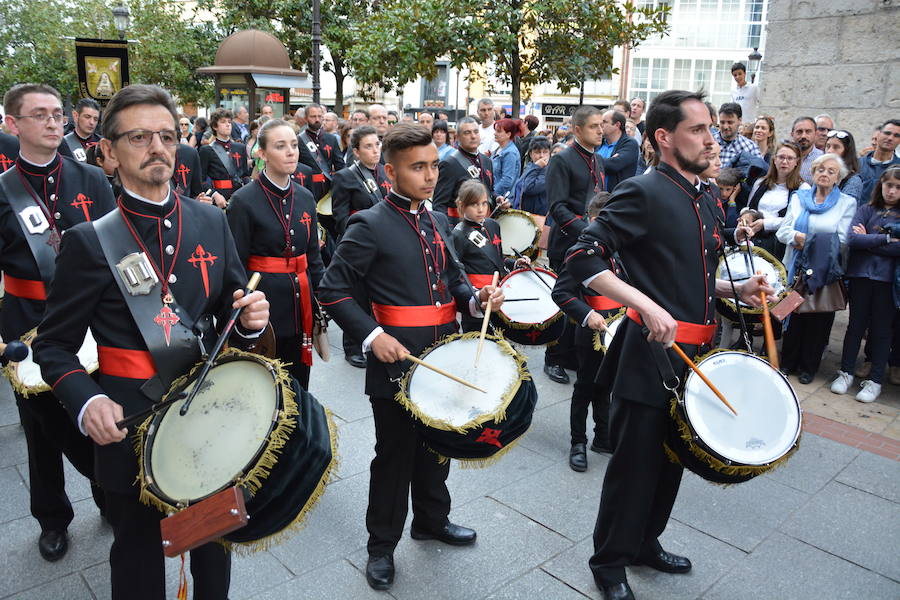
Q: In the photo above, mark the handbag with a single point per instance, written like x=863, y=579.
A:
x=829, y=298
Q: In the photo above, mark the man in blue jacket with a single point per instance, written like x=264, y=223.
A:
x=619, y=151
x=873, y=164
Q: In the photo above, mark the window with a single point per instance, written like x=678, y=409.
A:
x=435, y=91
x=649, y=77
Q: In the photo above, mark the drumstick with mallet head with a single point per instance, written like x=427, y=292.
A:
x=531, y=268
x=484, y=321
x=440, y=371
x=700, y=374
x=14, y=351
x=771, y=350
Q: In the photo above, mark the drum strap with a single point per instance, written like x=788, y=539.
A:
x=663, y=364
x=225, y=159
x=37, y=228
x=174, y=354
x=317, y=155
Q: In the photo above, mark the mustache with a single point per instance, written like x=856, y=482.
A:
x=155, y=159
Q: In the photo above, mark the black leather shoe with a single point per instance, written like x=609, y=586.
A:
x=665, y=562
x=455, y=535
x=53, y=544
x=556, y=373
x=380, y=572
x=601, y=446
x=805, y=378
x=616, y=591
x=578, y=457
x=356, y=360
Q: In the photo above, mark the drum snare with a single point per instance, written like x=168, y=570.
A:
x=519, y=231
x=530, y=322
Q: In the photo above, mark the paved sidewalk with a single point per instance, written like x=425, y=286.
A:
x=824, y=526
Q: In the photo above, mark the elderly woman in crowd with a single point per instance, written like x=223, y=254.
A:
x=507, y=161
x=770, y=196
x=764, y=136
x=530, y=192
x=874, y=248
x=841, y=142
x=815, y=217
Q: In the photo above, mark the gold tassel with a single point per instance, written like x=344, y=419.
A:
x=598, y=344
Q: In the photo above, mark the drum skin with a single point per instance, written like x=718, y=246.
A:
x=519, y=224
x=762, y=261
x=602, y=340
x=533, y=333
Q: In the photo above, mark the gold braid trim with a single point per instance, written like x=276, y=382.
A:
x=599, y=346
x=779, y=268
x=480, y=463
x=532, y=249
x=539, y=326
x=9, y=370
x=498, y=415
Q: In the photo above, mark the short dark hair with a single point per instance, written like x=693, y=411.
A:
x=800, y=120
x=619, y=119
x=359, y=133
x=665, y=111
x=582, y=114
x=731, y=108
x=729, y=177
x=312, y=105
x=219, y=114
x=738, y=66
x=624, y=103
x=894, y=122
x=440, y=124
x=361, y=111
x=531, y=122
x=262, y=137
x=539, y=142
x=135, y=95
x=14, y=96
x=596, y=204
x=403, y=137
x=713, y=113
x=87, y=103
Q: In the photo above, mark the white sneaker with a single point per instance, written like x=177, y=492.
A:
x=841, y=383
x=870, y=390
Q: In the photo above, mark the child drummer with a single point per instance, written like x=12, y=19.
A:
x=398, y=251
x=478, y=244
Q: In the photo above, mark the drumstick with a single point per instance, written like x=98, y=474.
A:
x=700, y=374
x=520, y=300
x=771, y=350
x=530, y=268
x=15, y=351
x=484, y=321
x=439, y=371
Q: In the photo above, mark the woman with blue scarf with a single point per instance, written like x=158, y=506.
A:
x=823, y=211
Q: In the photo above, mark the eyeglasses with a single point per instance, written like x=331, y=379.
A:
x=838, y=134
x=791, y=158
x=824, y=129
x=43, y=118
x=141, y=138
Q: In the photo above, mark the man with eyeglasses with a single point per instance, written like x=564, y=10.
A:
x=84, y=136
x=141, y=279
x=876, y=162
x=824, y=124
x=42, y=195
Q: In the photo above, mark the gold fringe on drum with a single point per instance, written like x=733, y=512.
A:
x=9, y=370
x=598, y=344
x=722, y=273
x=532, y=250
x=476, y=463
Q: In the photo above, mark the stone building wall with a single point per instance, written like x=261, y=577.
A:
x=840, y=57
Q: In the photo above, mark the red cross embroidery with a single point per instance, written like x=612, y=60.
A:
x=4, y=162
x=327, y=149
x=496, y=241
x=166, y=319
x=490, y=175
x=440, y=244
x=306, y=220
x=490, y=436
x=236, y=156
x=183, y=171
x=199, y=259
x=386, y=185
x=300, y=177
x=718, y=239
x=533, y=335
x=81, y=201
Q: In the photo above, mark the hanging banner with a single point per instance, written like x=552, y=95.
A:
x=102, y=68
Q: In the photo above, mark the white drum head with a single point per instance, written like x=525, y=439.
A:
x=742, y=269
x=29, y=373
x=525, y=284
x=229, y=421
x=445, y=400
x=518, y=231
x=768, y=419
x=611, y=328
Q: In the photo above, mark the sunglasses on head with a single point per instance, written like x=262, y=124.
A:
x=839, y=134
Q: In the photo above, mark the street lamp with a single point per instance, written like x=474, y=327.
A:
x=753, y=63
x=122, y=19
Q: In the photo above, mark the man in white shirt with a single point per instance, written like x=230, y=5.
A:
x=745, y=94
x=488, y=144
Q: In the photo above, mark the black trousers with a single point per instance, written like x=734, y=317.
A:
x=562, y=353
x=50, y=433
x=639, y=489
x=402, y=464
x=586, y=393
x=136, y=557
x=872, y=310
x=805, y=340
x=288, y=350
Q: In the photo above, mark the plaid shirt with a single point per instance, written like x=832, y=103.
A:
x=733, y=149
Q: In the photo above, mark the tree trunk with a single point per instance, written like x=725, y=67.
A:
x=581, y=94
x=339, y=76
x=516, y=79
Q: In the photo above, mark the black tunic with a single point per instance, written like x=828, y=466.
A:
x=577, y=301
x=330, y=152
x=480, y=250
x=9, y=150
x=666, y=234
x=401, y=259
x=303, y=176
x=452, y=174
x=349, y=193
x=572, y=180
x=74, y=191
x=84, y=294
x=77, y=146
x=187, y=177
x=211, y=167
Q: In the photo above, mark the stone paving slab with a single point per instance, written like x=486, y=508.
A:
x=852, y=524
x=814, y=464
x=13, y=449
x=77, y=485
x=356, y=447
x=549, y=433
x=70, y=587
x=783, y=567
x=13, y=495
x=467, y=484
x=338, y=579
x=536, y=584
x=874, y=474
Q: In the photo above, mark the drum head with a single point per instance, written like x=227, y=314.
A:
x=768, y=421
x=28, y=372
x=444, y=401
x=525, y=284
x=196, y=455
x=741, y=267
x=519, y=232
x=612, y=326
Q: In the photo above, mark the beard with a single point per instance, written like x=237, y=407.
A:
x=695, y=167
x=804, y=144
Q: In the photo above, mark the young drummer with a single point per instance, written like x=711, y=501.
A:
x=399, y=252
x=273, y=221
x=476, y=239
x=590, y=309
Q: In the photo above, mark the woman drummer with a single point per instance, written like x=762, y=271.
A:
x=477, y=241
x=273, y=221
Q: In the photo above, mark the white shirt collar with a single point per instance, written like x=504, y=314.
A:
x=269, y=179
x=36, y=164
x=147, y=200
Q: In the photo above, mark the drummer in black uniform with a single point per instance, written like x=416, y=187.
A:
x=9, y=150
x=321, y=152
x=478, y=243
x=223, y=161
x=358, y=187
x=41, y=196
x=273, y=221
x=145, y=326
x=83, y=136
x=462, y=164
x=574, y=176
x=665, y=230
x=401, y=252
x=187, y=178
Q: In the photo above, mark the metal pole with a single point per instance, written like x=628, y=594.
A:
x=316, y=53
